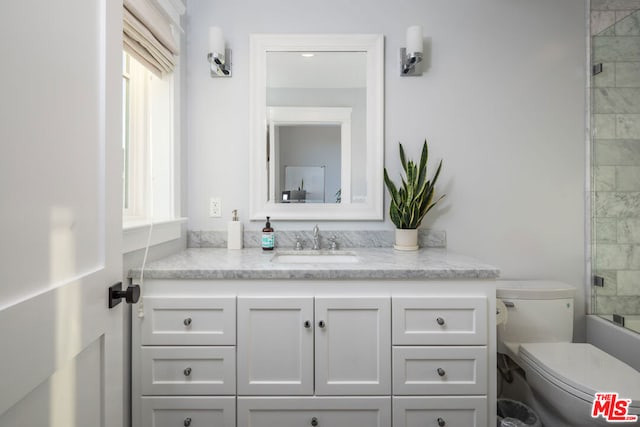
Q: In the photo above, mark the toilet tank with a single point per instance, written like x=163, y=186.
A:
x=537, y=311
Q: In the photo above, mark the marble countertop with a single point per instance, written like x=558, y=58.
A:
x=373, y=263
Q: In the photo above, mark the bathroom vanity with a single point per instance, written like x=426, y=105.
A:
x=238, y=338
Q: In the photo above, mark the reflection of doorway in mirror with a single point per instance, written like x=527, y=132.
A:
x=306, y=183
x=309, y=147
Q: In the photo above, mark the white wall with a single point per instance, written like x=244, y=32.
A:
x=502, y=103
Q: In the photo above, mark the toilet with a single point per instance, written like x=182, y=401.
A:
x=560, y=377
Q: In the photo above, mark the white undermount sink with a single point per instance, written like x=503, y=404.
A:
x=315, y=257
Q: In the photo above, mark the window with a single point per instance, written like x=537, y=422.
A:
x=151, y=122
x=149, y=187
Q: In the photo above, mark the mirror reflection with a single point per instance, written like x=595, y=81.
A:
x=316, y=146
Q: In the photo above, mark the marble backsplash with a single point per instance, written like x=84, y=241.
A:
x=286, y=239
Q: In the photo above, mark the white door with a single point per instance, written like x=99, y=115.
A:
x=275, y=346
x=353, y=346
x=60, y=215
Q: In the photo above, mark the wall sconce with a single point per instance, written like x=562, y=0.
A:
x=412, y=54
x=219, y=57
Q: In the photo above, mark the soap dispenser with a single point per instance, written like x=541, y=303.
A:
x=268, y=237
x=234, y=232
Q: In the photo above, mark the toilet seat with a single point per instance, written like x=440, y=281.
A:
x=582, y=370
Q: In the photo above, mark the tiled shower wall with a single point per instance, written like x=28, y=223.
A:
x=615, y=30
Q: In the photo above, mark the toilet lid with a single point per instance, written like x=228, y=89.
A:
x=583, y=367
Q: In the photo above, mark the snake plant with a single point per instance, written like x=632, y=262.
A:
x=411, y=202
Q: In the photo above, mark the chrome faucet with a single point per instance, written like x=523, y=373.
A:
x=316, y=238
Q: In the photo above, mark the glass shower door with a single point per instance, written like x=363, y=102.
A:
x=615, y=168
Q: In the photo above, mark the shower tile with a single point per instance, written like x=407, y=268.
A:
x=615, y=4
x=604, y=125
x=613, y=257
x=628, y=178
x=629, y=230
x=601, y=20
x=605, y=304
x=629, y=282
x=617, y=205
x=607, y=78
x=606, y=230
x=624, y=48
x=627, y=25
x=604, y=178
x=617, y=152
x=628, y=126
x=616, y=100
x=627, y=74
x=634, y=262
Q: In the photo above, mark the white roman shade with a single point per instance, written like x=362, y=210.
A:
x=148, y=36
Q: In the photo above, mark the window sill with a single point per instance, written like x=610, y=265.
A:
x=135, y=233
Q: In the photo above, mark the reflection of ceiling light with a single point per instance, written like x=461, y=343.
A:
x=307, y=55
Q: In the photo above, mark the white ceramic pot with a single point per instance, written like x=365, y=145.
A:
x=406, y=239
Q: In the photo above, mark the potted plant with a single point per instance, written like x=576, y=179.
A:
x=411, y=201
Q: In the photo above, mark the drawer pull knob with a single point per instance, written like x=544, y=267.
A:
x=440, y=321
x=322, y=324
x=441, y=372
x=314, y=421
x=187, y=372
x=307, y=324
x=441, y=422
x=187, y=422
x=187, y=321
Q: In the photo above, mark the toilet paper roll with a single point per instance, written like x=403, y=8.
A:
x=501, y=312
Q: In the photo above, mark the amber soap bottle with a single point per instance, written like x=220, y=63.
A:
x=268, y=238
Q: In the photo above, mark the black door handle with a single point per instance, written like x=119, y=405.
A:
x=131, y=295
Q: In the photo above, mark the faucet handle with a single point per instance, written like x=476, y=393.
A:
x=298, y=245
x=333, y=244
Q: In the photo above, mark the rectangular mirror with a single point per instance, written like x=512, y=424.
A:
x=316, y=127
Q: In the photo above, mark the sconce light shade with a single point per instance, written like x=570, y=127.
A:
x=412, y=54
x=216, y=40
x=219, y=57
x=414, y=39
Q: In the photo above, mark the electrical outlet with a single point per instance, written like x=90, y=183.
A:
x=215, y=207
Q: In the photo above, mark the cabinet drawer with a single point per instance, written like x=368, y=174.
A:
x=189, y=321
x=188, y=370
x=188, y=411
x=326, y=411
x=436, y=411
x=440, y=370
x=446, y=320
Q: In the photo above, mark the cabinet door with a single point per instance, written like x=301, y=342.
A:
x=444, y=320
x=353, y=346
x=188, y=370
x=440, y=411
x=188, y=412
x=314, y=411
x=189, y=321
x=440, y=370
x=275, y=346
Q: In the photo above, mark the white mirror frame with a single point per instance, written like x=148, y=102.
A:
x=259, y=203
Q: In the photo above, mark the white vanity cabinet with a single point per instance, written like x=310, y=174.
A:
x=323, y=346
x=440, y=352
x=265, y=353
x=184, y=361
